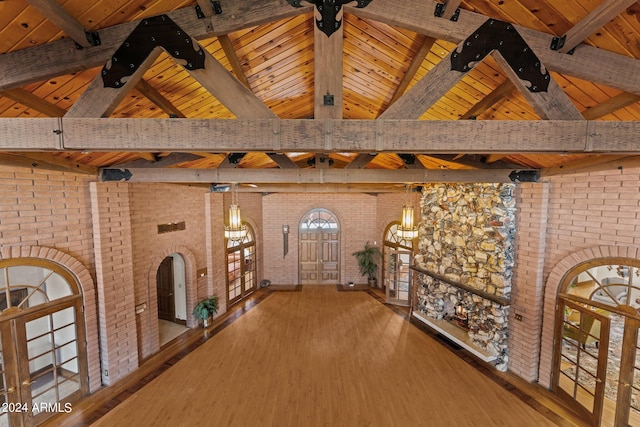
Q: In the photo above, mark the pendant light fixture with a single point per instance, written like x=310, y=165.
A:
x=407, y=230
x=235, y=230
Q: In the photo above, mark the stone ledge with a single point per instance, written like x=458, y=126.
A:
x=457, y=335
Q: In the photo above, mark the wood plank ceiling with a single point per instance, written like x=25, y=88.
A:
x=274, y=50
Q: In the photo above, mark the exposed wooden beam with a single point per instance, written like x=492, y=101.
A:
x=366, y=136
x=488, y=101
x=474, y=161
x=45, y=161
x=426, y=92
x=450, y=8
x=232, y=56
x=323, y=188
x=100, y=101
x=588, y=63
x=316, y=176
x=550, y=104
x=228, y=90
x=596, y=19
x=61, y=57
x=492, y=158
x=162, y=162
x=283, y=161
x=611, y=105
x=157, y=98
x=62, y=19
x=417, y=61
x=28, y=99
x=361, y=160
x=327, y=74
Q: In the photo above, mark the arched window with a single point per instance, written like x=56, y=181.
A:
x=41, y=331
x=241, y=267
x=397, y=256
x=319, y=234
x=596, y=339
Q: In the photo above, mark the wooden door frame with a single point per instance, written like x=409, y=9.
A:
x=319, y=232
x=173, y=289
x=241, y=248
x=395, y=246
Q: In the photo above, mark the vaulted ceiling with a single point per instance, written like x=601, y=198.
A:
x=383, y=91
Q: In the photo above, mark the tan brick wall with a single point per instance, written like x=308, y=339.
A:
x=216, y=255
x=589, y=214
x=110, y=204
x=532, y=202
x=356, y=214
x=47, y=215
x=152, y=205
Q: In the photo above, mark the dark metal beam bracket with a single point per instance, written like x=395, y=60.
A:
x=441, y=7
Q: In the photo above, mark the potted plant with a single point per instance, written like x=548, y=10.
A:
x=205, y=309
x=368, y=262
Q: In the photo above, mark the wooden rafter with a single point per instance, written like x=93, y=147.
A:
x=360, y=161
x=55, y=59
x=232, y=57
x=28, y=99
x=162, y=162
x=157, y=98
x=62, y=19
x=611, y=105
x=488, y=101
x=550, y=104
x=417, y=61
x=591, y=164
x=282, y=160
x=601, y=15
x=45, y=161
x=367, y=136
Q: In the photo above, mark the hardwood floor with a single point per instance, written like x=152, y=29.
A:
x=316, y=357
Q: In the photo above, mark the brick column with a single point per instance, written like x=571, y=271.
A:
x=110, y=207
x=216, y=259
x=527, y=295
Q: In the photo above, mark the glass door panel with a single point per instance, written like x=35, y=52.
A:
x=582, y=358
x=398, y=277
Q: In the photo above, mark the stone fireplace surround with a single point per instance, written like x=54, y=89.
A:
x=466, y=256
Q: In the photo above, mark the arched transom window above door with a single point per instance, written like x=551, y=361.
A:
x=319, y=219
x=29, y=283
x=614, y=283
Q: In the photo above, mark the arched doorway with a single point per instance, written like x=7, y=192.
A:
x=319, y=260
x=397, y=254
x=241, y=267
x=43, y=361
x=171, y=298
x=596, y=341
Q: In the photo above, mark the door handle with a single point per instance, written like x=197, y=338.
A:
x=26, y=382
x=11, y=390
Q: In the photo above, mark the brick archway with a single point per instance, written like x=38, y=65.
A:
x=551, y=293
x=148, y=330
x=88, y=289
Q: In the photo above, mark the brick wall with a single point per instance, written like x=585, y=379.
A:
x=216, y=255
x=151, y=205
x=356, y=214
x=589, y=215
x=110, y=204
x=36, y=222
x=528, y=280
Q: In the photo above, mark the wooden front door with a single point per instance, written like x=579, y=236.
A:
x=580, y=358
x=319, y=249
x=164, y=282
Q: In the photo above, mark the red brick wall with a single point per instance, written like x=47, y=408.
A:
x=151, y=205
x=110, y=204
x=356, y=214
x=36, y=222
x=528, y=279
x=589, y=214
